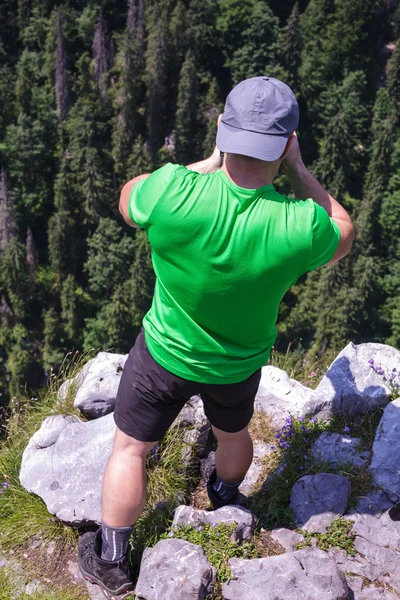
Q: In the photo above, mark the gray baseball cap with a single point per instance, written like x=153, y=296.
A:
x=260, y=115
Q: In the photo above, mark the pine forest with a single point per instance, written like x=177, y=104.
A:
x=94, y=93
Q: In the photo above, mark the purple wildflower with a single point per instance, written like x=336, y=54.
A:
x=199, y=528
x=314, y=420
x=346, y=429
x=371, y=361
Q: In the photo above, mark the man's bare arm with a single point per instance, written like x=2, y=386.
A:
x=124, y=198
x=209, y=165
x=305, y=186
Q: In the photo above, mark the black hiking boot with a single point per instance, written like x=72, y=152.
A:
x=113, y=577
x=215, y=500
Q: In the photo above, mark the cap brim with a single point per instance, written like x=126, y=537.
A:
x=249, y=143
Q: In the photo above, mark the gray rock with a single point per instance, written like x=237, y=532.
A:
x=303, y=575
x=64, y=464
x=192, y=415
x=261, y=450
x=336, y=449
x=207, y=465
x=286, y=538
x=377, y=529
x=373, y=504
x=279, y=396
x=317, y=500
x=198, y=427
x=367, y=592
x=64, y=389
x=386, y=452
x=351, y=385
x=97, y=384
x=174, y=570
x=371, y=592
x=381, y=563
x=246, y=522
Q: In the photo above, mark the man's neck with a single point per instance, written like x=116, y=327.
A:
x=248, y=173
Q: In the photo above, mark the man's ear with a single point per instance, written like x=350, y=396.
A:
x=219, y=119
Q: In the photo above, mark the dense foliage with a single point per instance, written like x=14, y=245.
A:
x=95, y=93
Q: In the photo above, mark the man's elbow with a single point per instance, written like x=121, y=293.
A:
x=124, y=202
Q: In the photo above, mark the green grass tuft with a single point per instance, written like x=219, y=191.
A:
x=338, y=535
x=218, y=547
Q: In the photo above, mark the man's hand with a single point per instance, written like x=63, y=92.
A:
x=292, y=157
x=209, y=165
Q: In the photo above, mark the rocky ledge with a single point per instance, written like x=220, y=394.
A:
x=65, y=460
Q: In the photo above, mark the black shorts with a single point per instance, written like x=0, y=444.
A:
x=150, y=398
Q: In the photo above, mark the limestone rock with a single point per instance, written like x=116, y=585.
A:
x=386, y=452
x=261, y=450
x=279, y=396
x=174, y=570
x=246, y=522
x=317, y=500
x=336, y=449
x=193, y=418
x=286, y=538
x=64, y=464
x=303, y=575
x=97, y=384
x=351, y=385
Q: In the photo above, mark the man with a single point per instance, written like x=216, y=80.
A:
x=226, y=247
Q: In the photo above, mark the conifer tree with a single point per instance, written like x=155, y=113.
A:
x=259, y=49
x=142, y=279
x=157, y=58
x=8, y=227
x=62, y=93
x=54, y=349
x=211, y=109
x=32, y=258
x=291, y=48
x=101, y=58
x=69, y=314
x=186, y=111
x=130, y=90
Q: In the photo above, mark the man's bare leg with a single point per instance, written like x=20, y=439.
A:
x=234, y=455
x=124, y=485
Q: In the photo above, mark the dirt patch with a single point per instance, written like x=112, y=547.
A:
x=266, y=545
x=53, y=564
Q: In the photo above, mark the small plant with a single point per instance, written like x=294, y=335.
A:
x=337, y=535
x=391, y=377
x=216, y=542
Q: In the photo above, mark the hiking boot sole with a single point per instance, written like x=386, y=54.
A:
x=118, y=594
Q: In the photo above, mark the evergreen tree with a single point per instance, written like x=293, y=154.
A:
x=110, y=253
x=186, y=111
x=130, y=89
x=54, y=349
x=69, y=311
x=101, y=58
x=8, y=227
x=211, y=109
x=142, y=279
x=32, y=258
x=62, y=93
x=291, y=48
x=157, y=77
x=259, y=50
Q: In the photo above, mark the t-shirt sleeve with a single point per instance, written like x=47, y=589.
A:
x=146, y=193
x=325, y=238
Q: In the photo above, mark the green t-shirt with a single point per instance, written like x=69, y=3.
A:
x=224, y=257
